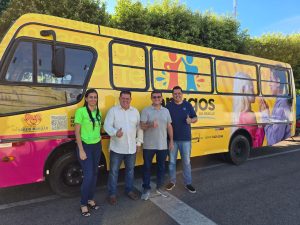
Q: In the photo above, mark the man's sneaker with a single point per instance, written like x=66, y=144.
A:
x=161, y=193
x=190, y=188
x=170, y=186
x=145, y=195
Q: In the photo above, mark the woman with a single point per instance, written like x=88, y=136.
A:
x=87, y=132
x=243, y=113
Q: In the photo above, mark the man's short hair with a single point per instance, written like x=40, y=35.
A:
x=156, y=92
x=176, y=88
x=125, y=92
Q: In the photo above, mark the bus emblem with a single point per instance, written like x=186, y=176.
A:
x=32, y=119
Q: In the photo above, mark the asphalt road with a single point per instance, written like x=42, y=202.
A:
x=263, y=191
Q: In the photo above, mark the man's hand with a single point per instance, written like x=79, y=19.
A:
x=138, y=148
x=188, y=120
x=119, y=133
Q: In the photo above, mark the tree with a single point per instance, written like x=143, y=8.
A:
x=284, y=48
x=171, y=20
x=91, y=11
x=130, y=16
x=3, y=5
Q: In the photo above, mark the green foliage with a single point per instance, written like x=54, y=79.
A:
x=91, y=11
x=3, y=5
x=172, y=20
x=278, y=47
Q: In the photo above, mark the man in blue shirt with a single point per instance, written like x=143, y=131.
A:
x=182, y=114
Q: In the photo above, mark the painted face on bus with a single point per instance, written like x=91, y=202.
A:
x=125, y=100
x=273, y=85
x=177, y=96
x=92, y=99
x=156, y=99
x=249, y=89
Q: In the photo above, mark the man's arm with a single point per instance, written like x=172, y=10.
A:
x=139, y=133
x=170, y=133
x=193, y=115
x=144, y=125
x=109, y=122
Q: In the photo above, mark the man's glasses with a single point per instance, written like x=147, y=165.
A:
x=156, y=97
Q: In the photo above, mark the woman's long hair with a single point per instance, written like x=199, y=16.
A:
x=98, y=117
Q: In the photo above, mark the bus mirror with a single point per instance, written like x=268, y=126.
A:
x=58, y=62
x=58, y=55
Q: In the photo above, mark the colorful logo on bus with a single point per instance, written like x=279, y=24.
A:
x=180, y=70
x=33, y=119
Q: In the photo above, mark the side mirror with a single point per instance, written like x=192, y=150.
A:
x=58, y=55
x=58, y=62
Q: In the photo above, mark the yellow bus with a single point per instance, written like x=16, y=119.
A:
x=47, y=63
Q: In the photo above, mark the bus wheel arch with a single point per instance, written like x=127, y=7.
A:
x=239, y=147
x=65, y=174
x=57, y=153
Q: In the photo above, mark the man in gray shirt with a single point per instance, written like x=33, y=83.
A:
x=156, y=123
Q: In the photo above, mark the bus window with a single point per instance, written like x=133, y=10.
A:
x=128, y=66
x=24, y=90
x=77, y=65
x=21, y=66
x=274, y=77
x=192, y=73
x=231, y=75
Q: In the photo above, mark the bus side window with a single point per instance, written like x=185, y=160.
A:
x=128, y=67
x=188, y=70
x=274, y=76
x=77, y=66
x=29, y=85
x=21, y=65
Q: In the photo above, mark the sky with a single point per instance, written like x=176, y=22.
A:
x=257, y=16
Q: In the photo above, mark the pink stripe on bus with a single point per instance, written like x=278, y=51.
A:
x=28, y=165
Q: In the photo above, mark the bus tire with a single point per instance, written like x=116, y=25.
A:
x=239, y=150
x=66, y=175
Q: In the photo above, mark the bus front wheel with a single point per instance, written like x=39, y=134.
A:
x=66, y=175
x=239, y=150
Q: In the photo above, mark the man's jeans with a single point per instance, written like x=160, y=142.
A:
x=90, y=171
x=185, y=152
x=115, y=162
x=161, y=156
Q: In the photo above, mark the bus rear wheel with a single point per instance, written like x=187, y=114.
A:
x=239, y=150
x=66, y=175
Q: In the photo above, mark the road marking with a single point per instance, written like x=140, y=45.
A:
x=28, y=202
x=275, y=154
x=53, y=197
x=182, y=213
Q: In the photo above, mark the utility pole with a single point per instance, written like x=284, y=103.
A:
x=235, y=9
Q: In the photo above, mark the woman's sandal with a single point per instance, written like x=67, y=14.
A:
x=85, y=214
x=93, y=205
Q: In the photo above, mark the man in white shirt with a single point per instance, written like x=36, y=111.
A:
x=122, y=125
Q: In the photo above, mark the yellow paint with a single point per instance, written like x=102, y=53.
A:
x=205, y=141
